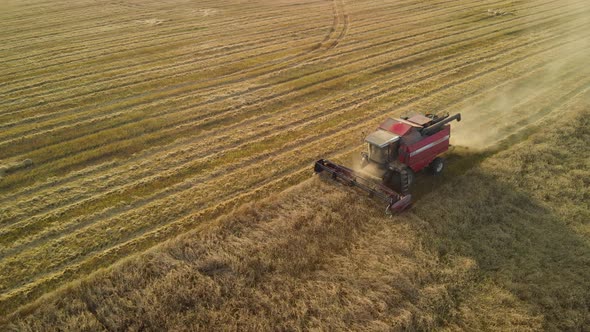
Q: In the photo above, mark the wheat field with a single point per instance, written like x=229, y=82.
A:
x=126, y=123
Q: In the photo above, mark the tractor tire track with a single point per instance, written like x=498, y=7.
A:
x=221, y=24
x=332, y=114
x=327, y=36
x=107, y=166
x=246, y=21
x=230, y=96
x=164, y=76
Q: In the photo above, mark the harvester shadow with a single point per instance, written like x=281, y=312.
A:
x=519, y=243
x=457, y=163
x=461, y=159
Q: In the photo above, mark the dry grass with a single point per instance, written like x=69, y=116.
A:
x=146, y=120
x=280, y=264
x=505, y=246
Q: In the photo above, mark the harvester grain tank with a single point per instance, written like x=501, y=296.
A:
x=395, y=152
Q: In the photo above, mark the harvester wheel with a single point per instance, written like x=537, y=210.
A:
x=389, y=179
x=437, y=166
x=393, y=180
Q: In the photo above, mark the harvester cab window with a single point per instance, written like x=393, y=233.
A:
x=377, y=154
x=393, y=150
x=380, y=143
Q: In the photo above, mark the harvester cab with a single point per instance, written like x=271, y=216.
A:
x=395, y=152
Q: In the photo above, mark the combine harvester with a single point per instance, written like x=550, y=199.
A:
x=396, y=150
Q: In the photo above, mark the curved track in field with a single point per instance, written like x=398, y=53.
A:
x=144, y=125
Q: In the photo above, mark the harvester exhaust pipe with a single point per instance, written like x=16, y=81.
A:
x=435, y=127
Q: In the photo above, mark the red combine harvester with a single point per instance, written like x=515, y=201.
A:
x=396, y=150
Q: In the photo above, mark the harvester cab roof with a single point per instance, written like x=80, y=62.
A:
x=382, y=138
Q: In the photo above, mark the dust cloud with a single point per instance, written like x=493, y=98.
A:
x=513, y=105
x=370, y=171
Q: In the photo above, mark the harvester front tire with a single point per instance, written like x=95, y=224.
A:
x=437, y=166
x=392, y=179
x=389, y=179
